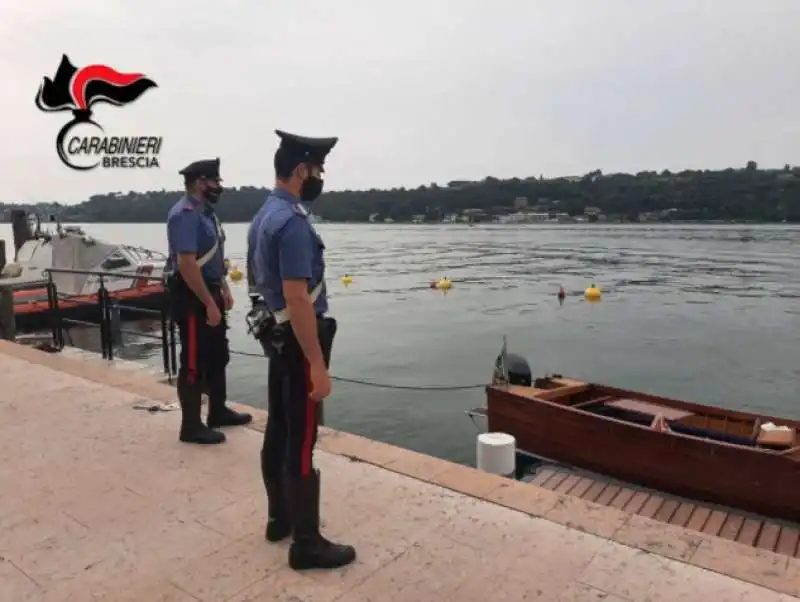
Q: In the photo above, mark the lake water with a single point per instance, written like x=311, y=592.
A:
x=704, y=313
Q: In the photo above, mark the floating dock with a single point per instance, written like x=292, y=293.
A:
x=99, y=501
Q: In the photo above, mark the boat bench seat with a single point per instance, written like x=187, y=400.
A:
x=648, y=409
x=777, y=439
x=780, y=440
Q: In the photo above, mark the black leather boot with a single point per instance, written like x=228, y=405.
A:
x=278, y=525
x=310, y=550
x=192, y=428
x=219, y=414
x=227, y=417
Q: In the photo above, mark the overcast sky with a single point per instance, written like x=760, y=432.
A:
x=418, y=91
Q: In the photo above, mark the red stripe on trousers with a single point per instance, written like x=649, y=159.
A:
x=311, y=422
x=191, y=352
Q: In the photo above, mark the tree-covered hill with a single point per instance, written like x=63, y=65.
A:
x=750, y=194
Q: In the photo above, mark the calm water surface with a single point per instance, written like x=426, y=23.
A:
x=705, y=313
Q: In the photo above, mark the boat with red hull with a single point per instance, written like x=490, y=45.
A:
x=79, y=266
x=32, y=309
x=737, y=459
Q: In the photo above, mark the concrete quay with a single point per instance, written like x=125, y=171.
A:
x=99, y=501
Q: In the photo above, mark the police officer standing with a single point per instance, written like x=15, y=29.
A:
x=200, y=298
x=287, y=262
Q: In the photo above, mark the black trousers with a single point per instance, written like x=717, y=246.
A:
x=292, y=422
x=205, y=353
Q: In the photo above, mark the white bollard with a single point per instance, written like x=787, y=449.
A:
x=497, y=453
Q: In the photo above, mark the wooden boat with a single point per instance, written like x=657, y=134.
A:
x=706, y=453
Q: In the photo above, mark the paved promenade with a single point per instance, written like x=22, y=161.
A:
x=99, y=501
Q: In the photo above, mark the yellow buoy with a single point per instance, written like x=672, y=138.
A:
x=444, y=284
x=235, y=274
x=592, y=293
x=346, y=279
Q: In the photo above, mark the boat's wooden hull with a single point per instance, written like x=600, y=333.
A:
x=749, y=478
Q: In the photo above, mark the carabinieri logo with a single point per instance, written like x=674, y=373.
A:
x=78, y=90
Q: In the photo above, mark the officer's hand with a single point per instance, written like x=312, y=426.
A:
x=228, y=298
x=320, y=383
x=213, y=315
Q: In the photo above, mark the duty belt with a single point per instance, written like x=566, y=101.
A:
x=260, y=320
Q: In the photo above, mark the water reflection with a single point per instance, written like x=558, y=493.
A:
x=139, y=341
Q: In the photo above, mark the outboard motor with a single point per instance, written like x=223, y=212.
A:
x=511, y=369
x=519, y=372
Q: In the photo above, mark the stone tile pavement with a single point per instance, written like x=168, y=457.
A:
x=99, y=501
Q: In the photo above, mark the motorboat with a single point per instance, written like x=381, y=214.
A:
x=78, y=265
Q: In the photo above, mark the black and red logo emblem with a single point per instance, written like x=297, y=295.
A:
x=78, y=90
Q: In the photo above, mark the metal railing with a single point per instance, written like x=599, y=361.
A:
x=108, y=312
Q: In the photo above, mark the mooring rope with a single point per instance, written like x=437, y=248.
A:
x=370, y=383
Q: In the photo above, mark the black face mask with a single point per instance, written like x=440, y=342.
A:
x=311, y=189
x=212, y=194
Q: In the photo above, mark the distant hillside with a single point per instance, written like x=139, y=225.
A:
x=748, y=194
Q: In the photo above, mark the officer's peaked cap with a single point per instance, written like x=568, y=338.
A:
x=208, y=168
x=296, y=149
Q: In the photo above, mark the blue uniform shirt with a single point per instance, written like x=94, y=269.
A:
x=191, y=228
x=284, y=246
